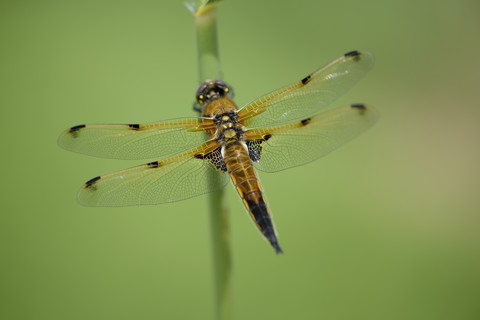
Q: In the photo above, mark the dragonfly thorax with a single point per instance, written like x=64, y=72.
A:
x=228, y=128
x=226, y=117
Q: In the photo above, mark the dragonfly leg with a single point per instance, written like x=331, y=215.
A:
x=198, y=107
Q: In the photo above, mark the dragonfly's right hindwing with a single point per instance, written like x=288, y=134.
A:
x=172, y=179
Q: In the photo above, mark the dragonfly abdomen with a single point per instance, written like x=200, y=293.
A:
x=245, y=180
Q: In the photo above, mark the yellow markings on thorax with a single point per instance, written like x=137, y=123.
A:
x=230, y=133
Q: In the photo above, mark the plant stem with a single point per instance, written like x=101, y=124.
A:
x=208, y=60
x=205, y=14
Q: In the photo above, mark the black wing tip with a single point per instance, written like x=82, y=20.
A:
x=92, y=181
x=360, y=106
x=76, y=128
x=354, y=53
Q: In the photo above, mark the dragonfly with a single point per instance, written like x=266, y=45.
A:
x=196, y=155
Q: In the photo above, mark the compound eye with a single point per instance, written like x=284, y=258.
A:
x=199, y=95
x=230, y=92
x=227, y=90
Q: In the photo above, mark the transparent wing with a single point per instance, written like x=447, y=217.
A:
x=180, y=177
x=136, y=141
x=308, y=96
x=295, y=144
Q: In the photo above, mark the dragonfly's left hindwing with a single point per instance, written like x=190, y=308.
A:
x=282, y=147
x=255, y=147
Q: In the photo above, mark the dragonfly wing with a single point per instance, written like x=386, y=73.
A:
x=278, y=148
x=308, y=96
x=136, y=141
x=176, y=178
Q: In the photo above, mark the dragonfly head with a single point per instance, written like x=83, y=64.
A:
x=212, y=90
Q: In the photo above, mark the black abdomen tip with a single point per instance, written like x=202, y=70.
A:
x=277, y=248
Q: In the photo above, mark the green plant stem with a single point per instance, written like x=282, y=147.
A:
x=205, y=14
x=208, y=60
x=222, y=261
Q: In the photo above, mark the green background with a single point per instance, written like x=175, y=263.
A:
x=386, y=227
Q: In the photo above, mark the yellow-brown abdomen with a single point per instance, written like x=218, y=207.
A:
x=245, y=180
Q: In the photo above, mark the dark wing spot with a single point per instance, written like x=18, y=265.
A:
x=359, y=106
x=76, y=128
x=153, y=164
x=255, y=147
x=134, y=126
x=215, y=157
x=306, y=121
x=90, y=182
x=306, y=79
x=353, y=53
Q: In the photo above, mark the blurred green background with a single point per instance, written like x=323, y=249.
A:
x=386, y=227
